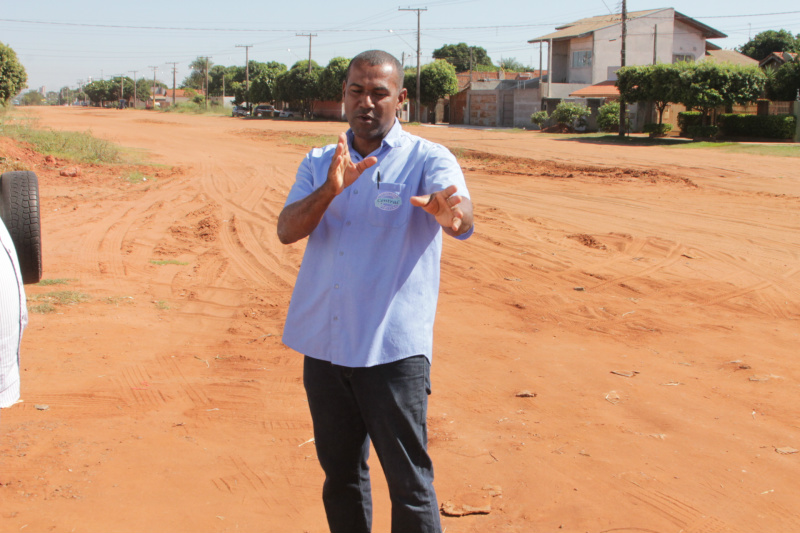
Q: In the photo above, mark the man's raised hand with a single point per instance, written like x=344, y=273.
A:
x=343, y=172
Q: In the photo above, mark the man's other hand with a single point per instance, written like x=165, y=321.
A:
x=443, y=205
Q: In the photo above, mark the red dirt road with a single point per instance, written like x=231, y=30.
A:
x=616, y=347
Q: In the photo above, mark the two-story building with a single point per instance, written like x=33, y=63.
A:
x=588, y=51
x=583, y=58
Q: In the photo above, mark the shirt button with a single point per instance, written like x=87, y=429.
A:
x=335, y=318
x=336, y=286
x=347, y=223
x=355, y=191
x=341, y=253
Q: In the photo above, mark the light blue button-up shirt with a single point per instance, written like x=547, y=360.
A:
x=367, y=289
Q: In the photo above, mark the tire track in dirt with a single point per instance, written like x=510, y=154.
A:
x=250, y=239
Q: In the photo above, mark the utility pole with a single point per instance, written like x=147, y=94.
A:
x=655, y=44
x=622, y=112
x=174, y=71
x=418, y=10
x=247, y=48
x=155, y=69
x=309, y=35
x=206, y=69
x=134, y=87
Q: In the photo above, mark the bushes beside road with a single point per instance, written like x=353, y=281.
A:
x=761, y=126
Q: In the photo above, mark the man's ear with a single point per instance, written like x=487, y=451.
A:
x=401, y=97
x=344, y=88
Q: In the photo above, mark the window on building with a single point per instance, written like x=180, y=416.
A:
x=582, y=58
x=677, y=58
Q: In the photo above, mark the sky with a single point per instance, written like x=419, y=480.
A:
x=63, y=45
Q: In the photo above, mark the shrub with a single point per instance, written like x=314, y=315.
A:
x=539, y=118
x=698, y=131
x=568, y=113
x=608, y=116
x=764, y=126
x=657, y=130
x=687, y=119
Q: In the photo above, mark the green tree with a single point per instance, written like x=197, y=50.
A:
x=437, y=80
x=216, y=76
x=100, y=91
x=462, y=56
x=144, y=89
x=659, y=84
x=299, y=87
x=608, y=116
x=785, y=81
x=127, y=88
x=32, y=98
x=332, y=79
x=66, y=95
x=263, y=80
x=510, y=64
x=766, y=42
x=12, y=74
x=540, y=118
x=707, y=85
x=197, y=77
x=568, y=113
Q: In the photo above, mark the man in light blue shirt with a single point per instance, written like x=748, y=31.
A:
x=374, y=207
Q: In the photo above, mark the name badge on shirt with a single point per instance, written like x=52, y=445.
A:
x=388, y=206
x=388, y=201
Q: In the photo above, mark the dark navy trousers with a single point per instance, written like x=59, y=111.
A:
x=388, y=405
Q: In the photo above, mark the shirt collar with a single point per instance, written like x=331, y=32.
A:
x=393, y=139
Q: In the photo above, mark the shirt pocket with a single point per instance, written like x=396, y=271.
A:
x=388, y=206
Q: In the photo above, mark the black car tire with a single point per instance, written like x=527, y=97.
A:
x=19, y=209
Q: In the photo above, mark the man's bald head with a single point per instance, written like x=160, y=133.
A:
x=375, y=58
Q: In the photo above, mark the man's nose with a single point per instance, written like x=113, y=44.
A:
x=366, y=101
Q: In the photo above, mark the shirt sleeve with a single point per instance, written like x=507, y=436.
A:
x=441, y=171
x=304, y=180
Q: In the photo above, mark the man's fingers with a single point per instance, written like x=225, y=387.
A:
x=364, y=164
x=421, y=201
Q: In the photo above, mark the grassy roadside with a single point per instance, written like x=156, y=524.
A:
x=77, y=147
x=778, y=150
x=192, y=108
x=768, y=149
x=81, y=147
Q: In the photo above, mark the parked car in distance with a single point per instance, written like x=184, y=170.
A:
x=264, y=110
x=286, y=113
x=240, y=111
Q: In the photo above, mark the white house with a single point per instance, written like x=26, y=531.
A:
x=588, y=51
x=583, y=58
